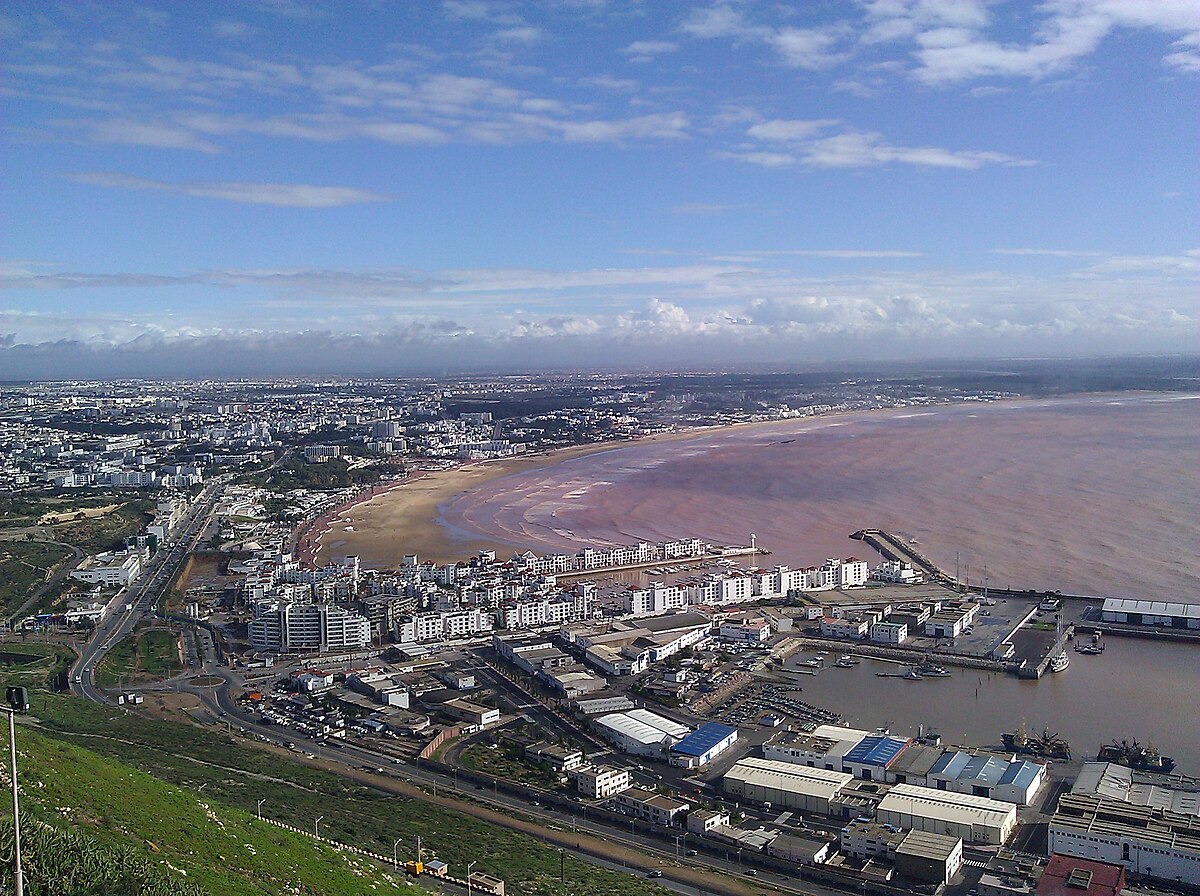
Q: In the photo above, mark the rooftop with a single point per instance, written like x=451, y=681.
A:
x=1070, y=876
x=876, y=749
x=703, y=739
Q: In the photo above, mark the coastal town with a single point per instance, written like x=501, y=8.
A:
x=659, y=695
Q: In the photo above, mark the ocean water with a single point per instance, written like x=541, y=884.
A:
x=1095, y=495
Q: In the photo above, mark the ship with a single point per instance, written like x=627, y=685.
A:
x=1141, y=757
x=1046, y=745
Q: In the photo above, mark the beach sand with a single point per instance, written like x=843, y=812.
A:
x=1092, y=495
x=408, y=519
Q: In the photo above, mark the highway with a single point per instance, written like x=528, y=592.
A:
x=142, y=597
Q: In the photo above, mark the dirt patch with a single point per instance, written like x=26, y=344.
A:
x=54, y=517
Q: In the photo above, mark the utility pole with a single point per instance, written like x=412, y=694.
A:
x=470, y=865
x=18, y=701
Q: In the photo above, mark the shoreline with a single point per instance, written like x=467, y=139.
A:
x=411, y=520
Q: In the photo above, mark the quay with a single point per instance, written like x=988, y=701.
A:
x=1087, y=622
x=694, y=560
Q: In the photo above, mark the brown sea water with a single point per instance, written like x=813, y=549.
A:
x=1092, y=495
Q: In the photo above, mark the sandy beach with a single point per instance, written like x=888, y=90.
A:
x=1088, y=494
x=408, y=519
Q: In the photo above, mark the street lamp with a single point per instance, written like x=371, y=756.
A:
x=317, y=826
x=395, y=860
x=470, y=865
x=260, y=802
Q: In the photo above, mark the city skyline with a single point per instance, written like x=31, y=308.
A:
x=287, y=188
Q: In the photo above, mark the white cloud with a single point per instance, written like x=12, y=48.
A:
x=287, y=195
x=759, y=157
x=665, y=126
x=703, y=208
x=302, y=316
x=519, y=34
x=952, y=50
x=1054, y=253
x=808, y=143
x=648, y=50
x=147, y=133
x=811, y=48
x=780, y=129
x=608, y=82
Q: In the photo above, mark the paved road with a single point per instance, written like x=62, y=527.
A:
x=142, y=597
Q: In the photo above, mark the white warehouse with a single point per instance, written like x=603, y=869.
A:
x=785, y=784
x=976, y=819
x=641, y=732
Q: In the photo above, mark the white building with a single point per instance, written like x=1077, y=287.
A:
x=651, y=807
x=889, y=632
x=286, y=627
x=976, y=819
x=982, y=774
x=444, y=626
x=1153, y=842
x=823, y=748
x=655, y=600
x=641, y=732
x=558, y=610
x=785, y=784
x=753, y=632
x=110, y=569
x=843, y=628
x=600, y=782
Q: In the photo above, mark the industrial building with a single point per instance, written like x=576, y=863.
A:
x=824, y=748
x=703, y=745
x=785, y=784
x=1142, y=839
x=1156, y=613
x=976, y=819
x=1172, y=793
x=983, y=774
x=1071, y=876
x=473, y=713
x=870, y=758
x=929, y=857
x=641, y=732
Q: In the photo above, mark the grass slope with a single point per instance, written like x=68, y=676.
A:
x=235, y=774
x=188, y=837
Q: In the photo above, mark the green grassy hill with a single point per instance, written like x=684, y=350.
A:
x=184, y=798
x=86, y=817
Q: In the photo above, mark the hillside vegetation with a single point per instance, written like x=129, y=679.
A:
x=85, y=816
x=198, y=809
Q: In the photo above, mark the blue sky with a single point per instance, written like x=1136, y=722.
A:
x=287, y=186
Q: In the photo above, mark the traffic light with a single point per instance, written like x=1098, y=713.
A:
x=18, y=699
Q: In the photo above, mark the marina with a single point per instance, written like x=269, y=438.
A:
x=972, y=706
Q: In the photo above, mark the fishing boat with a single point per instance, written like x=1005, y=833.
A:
x=846, y=662
x=1060, y=660
x=1046, y=745
x=1142, y=757
x=911, y=674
